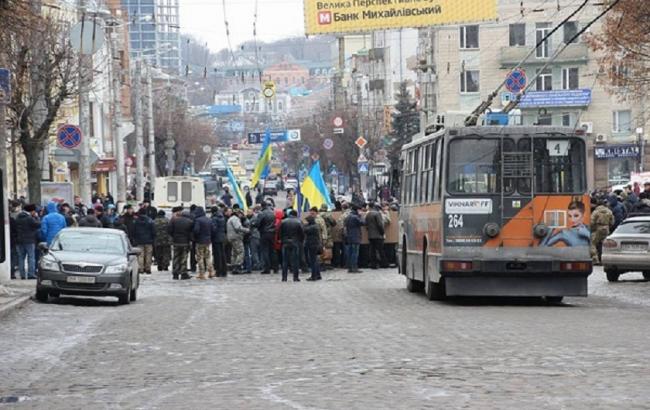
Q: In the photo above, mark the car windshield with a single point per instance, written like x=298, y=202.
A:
x=93, y=242
x=633, y=227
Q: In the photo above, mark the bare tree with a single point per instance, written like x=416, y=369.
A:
x=43, y=77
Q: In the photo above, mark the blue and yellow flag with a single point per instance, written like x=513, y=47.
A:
x=313, y=188
x=263, y=166
x=236, y=191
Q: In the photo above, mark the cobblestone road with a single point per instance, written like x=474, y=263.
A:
x=348, y=342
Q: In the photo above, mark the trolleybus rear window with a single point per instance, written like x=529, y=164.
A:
x=475, y=166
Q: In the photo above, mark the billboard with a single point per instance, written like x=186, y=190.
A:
x=354, y=16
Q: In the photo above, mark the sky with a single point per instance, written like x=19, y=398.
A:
x=276, y=19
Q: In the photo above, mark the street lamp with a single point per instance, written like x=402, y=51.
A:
x=641, y=144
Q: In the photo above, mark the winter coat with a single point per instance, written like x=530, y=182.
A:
x=144, y=231
x=202, y=227
x=107, y=221
x=291, y=231
x=128, y=221
x=152, y=212
x=235, y=231
x=52, y=223
x=375, y=225
x=89, y=221
x=180, y=230
x=266, y=222
x=313, y=236
x=218, y=228
x=26, y=228
x=322, y=226
x=353, y=224
x=617, y=209
x=277, y=243
x=337, y=230
x=161, y=225
x=602, y=217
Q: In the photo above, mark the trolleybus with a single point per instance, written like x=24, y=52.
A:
x=495, y=211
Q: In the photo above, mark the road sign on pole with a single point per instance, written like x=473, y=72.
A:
x=363, y=167
x=276, y=136
x=328, y=143
x=337, y=122
x=338, y=130
x=68, y=136
x=516, y=80
x=361, y=142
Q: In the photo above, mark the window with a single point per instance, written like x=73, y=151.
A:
x=545, y=119
x=186, y=192
x=570, y=78
x=474, y=166
x=469, y=37
x=415, y=166
x=570, y=30
x=634, y=227
x=469, y=81
x=517, y=35
x=622, y=121
x=619, y=74
x=280, y=107
x=559, y=164
x=428, y=173
x=544, y=81
x=541, y=30
x=172, y=191
x=566, y=119
x=619, y=170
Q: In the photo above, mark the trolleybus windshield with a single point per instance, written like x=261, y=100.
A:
x=475, y=165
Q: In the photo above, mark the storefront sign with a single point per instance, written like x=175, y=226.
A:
x=557, y=98
x=468, y=206
x=616, y=151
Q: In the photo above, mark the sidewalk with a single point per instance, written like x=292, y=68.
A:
x=15, y=294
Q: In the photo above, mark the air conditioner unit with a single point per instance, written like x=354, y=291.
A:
x=588, y=127
x=600, y=138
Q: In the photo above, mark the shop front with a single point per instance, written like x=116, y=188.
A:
x=615, y=164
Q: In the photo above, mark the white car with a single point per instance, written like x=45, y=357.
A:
x=626, y=249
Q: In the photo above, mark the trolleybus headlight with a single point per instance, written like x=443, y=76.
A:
x=456, y=266
x=491, y=229
x=575, y=266
x=540, y=230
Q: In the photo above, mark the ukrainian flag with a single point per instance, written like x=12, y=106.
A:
x=313, y=188
x=263, y=165
x=236, y=191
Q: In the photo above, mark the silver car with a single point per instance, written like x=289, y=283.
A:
x=627, y=249
x=91, y=262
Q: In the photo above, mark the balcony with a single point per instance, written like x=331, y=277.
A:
x=575, y=53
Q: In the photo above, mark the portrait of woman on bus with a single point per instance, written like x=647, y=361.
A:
x=576, y=234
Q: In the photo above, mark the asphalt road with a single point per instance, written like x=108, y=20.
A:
x=348, y=342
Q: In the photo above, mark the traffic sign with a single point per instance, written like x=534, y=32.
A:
x=328, y=143
x=362, y=158
x=5, y=85
x=293, y=135
x=87, y=36
x=361, y=142
x=68, y=136
x=337, y=121
x=516, y=80
x=276, y=136
x=363, y=167
x=269, y=89
x=338, y=130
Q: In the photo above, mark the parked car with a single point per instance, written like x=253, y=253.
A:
x=270, y=186
x=91, y=262
x=291, y=181
x=626, y=249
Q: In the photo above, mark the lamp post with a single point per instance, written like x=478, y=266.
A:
x=641, y=143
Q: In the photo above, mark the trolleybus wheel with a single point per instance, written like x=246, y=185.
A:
x=646, y=274
x=414, y=285
x=553, y=300
x=434, y=291
x=612, y=275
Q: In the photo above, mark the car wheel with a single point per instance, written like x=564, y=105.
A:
x=133, y=295
x=612, y=275
x=125, y=298
x=42, y=296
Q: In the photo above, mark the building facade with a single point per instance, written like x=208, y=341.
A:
x=154, y=32
x=470, y=61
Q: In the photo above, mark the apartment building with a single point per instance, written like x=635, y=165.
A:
x=471, y=61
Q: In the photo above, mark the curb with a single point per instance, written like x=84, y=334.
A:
x=14, y=304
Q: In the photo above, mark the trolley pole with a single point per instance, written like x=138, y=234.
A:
x=151, y=148
x=139, y=145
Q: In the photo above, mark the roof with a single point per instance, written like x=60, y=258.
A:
x=95, y=230
x=638, y=219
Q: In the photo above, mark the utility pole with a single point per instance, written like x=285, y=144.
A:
x=339, y=95
x=150, y=128
x=118, y=143
x=85, y=67
x=139, y=145
x=427, y=75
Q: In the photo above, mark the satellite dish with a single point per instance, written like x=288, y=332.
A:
x=88, y=34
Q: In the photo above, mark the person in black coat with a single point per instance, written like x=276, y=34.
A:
x=90, y=220
x=203, y=239
x=265, y=222
x=144, y=236
x=180, y=229
x=292, y=237
x=128, y=220
x=27, y=226
x=219, y=241
x=353, y=224
x=313, y=246
x=151, y=211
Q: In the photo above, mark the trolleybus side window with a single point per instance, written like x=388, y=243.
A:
x=172, y=191
x=414, y=176
x=186, y=191
x=426, y=174
x=474, y=166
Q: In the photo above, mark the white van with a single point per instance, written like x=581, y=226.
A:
x=178, y=191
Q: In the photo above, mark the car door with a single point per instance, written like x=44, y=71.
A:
x=133, y=264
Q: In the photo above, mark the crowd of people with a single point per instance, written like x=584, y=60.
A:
x=225, y=240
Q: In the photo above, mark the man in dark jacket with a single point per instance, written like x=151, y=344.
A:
x=90, y=220
x=67, y=214
x=375, y=226
x=144, y=236
x=180, y=230
x=27, y=227
x=353, y=224
x=292, y=237
x=128, y=220
x=151, y=211
x=203, y=240
x=219, y=241
x=265, y=223
x=313, y=247
x=163, y=242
